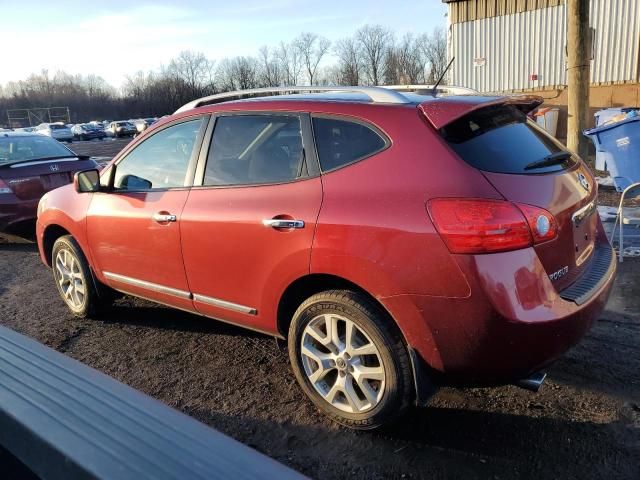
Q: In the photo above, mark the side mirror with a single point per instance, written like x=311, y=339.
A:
x=87, y=181
x=132, y=182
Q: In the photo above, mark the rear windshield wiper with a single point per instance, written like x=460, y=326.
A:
x=553, y=159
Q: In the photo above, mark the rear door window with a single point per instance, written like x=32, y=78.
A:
x=340, y=142
x=254, y=150
x=502, y=139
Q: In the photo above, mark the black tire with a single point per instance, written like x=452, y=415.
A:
x=398, y=391
x=92, y=303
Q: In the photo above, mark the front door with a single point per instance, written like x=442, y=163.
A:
x=134, y=227
x=247, y=231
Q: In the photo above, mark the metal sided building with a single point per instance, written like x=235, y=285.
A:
x=520, y=45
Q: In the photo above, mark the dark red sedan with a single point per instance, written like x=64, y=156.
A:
x=399, y=241
x=31, y=165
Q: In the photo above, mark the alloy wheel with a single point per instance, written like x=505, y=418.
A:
x=342, y=363
x=70, y=279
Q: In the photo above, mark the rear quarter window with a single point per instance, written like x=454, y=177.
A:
x=340, y=142
x=502, y=139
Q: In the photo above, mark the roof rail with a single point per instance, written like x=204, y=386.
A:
x=454, y=89
x=376, y=94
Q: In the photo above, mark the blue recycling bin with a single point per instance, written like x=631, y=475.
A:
x=619, y=144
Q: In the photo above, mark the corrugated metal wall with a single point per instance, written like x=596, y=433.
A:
x=467, y=10
x=500, y=53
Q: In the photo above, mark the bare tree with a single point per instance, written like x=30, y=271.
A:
x=434, y=49
x=374, y=42
x=370, y=56
x=238, y=73
x=192, y=68
x=311, y=48
x=270, y=71
x=290, y=63
x=349, y=68
x=404, y=62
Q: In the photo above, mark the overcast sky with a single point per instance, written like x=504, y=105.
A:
x=112, y=38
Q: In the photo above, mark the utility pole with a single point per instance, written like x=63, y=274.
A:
x=578, y=69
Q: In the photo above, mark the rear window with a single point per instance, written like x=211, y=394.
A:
x=341, y=142
x=56, y=127
x=502, y=139
x=19, y=148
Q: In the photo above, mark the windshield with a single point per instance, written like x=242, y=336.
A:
x=17, y=149
x=57, y=127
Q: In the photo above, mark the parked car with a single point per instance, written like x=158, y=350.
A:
x=30, y=166
x=142, y=124
x=58, y=131
x=399, y=241
x=24, y=129
x=87, y=131
x=120, y=129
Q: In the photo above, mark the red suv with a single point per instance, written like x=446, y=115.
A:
x=399, y=241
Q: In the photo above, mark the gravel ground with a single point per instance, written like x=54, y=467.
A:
x=584, y=423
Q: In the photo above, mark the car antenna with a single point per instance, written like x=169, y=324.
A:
x=434, y=90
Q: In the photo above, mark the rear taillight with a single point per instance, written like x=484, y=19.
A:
x=543, y=225
x=486, y=226
x=4, y=188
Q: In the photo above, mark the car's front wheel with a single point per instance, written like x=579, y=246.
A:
x=349, y=360
x=73, y=277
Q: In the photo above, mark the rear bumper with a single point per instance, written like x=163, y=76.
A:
x=513, y=323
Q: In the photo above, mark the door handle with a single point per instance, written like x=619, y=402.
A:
x=282, y=223
x=164, y=217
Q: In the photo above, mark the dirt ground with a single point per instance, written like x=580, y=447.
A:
x=584, y=423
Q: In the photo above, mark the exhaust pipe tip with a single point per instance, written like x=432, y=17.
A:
x=532, y=383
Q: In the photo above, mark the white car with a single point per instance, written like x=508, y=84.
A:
x=58, y=131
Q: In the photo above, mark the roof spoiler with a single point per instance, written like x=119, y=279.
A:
x=442, y=111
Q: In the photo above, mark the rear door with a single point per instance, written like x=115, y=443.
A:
x=247, y=230
x=527, y=165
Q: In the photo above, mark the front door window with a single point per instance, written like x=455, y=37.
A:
x=161, y=161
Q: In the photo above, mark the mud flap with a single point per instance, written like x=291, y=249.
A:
x=424, y=386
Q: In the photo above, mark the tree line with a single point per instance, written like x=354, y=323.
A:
x=373, y=55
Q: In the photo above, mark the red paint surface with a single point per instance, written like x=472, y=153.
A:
x=470, y=317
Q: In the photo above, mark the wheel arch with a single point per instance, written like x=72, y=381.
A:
x=51, y=234
x=304, y=287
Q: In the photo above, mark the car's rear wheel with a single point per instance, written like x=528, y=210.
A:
x=73, y=278
x=349, y=359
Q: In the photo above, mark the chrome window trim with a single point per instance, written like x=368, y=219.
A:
x=216, y=302
x=154, y=287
